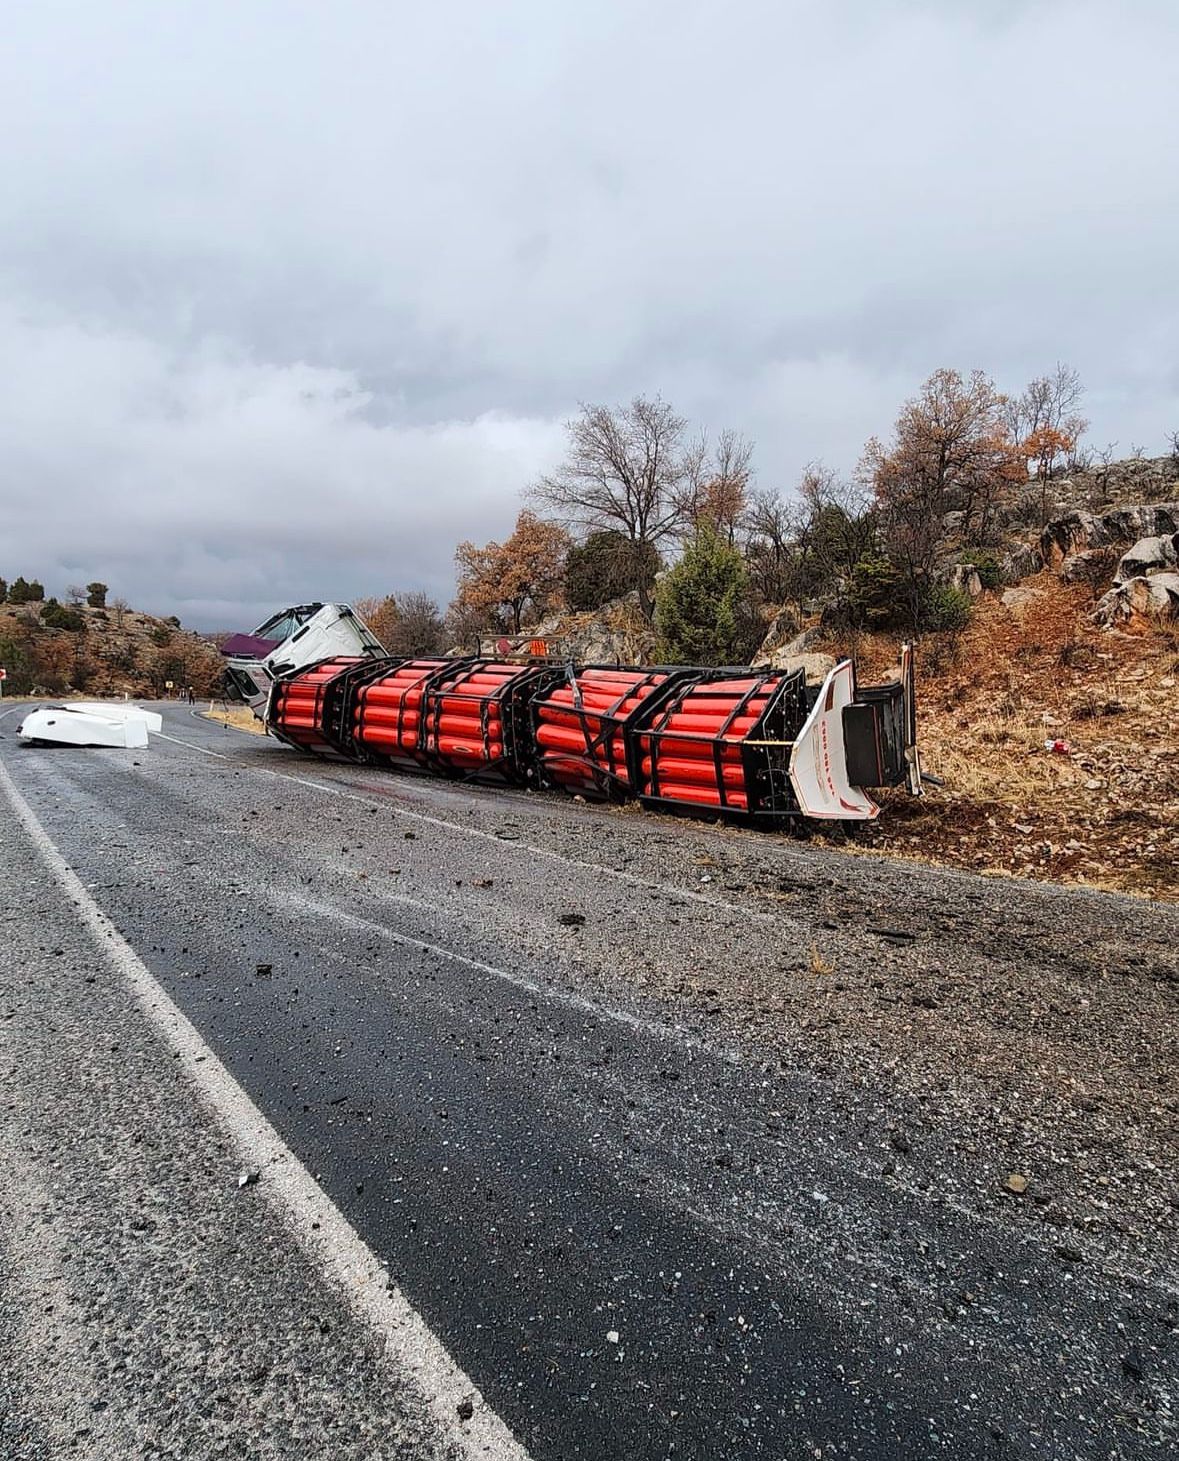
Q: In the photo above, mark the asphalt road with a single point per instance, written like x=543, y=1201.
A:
x=682, y=1141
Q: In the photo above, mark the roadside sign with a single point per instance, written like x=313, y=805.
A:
x=167, y=684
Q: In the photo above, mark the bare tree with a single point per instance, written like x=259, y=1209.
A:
x=76, y=595
x=719, y=481
x=419, y=630
x=381, y=613
x=951, y=451
x=1104, y=460
x=119, y=607
x=772, y=528
x=839, y=527
x=506, y=583
x=1048, y=403
x=798, y=546
x=627, y=468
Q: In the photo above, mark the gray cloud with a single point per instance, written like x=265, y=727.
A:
x=293, y=297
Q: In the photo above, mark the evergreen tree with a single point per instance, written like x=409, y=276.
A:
x=14, y=656
x=702, y=604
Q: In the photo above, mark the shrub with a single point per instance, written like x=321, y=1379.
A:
x=96, y=595
x=58, y=616
x=876, y=597
x=606, y=566
x=22, y=591
x=880, y=596
x=986, y=565
x=15, y=659
x=161, y=635
x=945, y=608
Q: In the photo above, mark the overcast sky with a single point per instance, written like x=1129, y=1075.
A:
x=293, y=296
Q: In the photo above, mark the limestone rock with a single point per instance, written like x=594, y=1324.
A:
x=1148, y=555
x=771, y=645
x=814, y=663
x=965, y=577
x=1020, y=562
x=1072, y=533
x=782, y=629
x=804, y=641
x=1155, y=596
x=1089, y=565
x=1080, y=529
x=614, y=634
x=1020, y=596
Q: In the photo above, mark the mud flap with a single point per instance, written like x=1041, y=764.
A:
x=818, y=762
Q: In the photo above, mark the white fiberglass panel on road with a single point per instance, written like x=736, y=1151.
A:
x=119, y=710
x=63, y=726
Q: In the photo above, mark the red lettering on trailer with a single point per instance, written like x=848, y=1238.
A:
x=827, y=761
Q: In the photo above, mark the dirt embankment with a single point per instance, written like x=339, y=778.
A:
x=1102, y=806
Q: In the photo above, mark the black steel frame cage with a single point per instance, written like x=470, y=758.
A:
x=355, y=724
x=765, y=751
x=610, y=782
x=338, y=725
x=518, y=764
x=323, y=698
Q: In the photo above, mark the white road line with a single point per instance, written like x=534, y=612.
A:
x=779, y=920
x=192, y=746
x=316, y=1224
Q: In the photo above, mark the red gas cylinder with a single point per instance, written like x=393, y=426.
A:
x=387, y=715
x=691, y=751
x=580, y=727
x=468, y=717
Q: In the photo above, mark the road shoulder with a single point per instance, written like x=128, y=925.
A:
x=153, y=1305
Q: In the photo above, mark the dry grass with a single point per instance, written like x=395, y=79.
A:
x=818, y=965
x=241, y=717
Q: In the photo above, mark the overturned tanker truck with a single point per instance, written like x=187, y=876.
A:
x=752, y=744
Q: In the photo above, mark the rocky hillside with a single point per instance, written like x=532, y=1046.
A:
x=108, y=651
x=1053, y=717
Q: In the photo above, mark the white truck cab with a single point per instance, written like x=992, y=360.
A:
x=294, y=637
